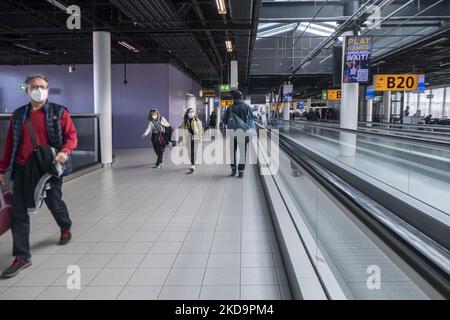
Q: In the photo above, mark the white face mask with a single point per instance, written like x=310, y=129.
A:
x=190, y=115
x=38, y=95
x=154, y=117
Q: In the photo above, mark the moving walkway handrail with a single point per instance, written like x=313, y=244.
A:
x=404, y=138
x=418, y=249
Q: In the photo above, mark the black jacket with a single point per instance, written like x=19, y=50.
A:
x=39, y=169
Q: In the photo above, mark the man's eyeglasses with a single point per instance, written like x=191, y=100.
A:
x=35, y=87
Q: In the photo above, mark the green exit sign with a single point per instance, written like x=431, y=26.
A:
x=224, y=88
x=22, y=87
x=324, y=94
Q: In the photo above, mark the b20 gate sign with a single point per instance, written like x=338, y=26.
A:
x=396, y=82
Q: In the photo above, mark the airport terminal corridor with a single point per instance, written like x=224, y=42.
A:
x=146, y=233
x=341, y=108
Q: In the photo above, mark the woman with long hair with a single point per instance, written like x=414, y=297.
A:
x=193, y=132
x=156, y=127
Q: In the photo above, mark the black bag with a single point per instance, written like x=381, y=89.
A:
x=168, y=133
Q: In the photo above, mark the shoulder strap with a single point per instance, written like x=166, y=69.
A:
x=31, y=130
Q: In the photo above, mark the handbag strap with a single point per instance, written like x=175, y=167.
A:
x=31, y=130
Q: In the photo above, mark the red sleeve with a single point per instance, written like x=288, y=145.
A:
x=70, y=133
x=4, y=163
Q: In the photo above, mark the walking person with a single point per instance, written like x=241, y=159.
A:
x=157, y=125
x=192, y=134
x=212, y=120
x=241, y=110
x=39, y=123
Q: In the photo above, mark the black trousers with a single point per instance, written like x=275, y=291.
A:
x=20, y=225
x=241, y=145
x=159, y=149
x=192, y=152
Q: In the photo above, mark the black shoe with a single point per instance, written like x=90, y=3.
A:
x=241, y=175
x=15, y=268
x=66, y=235
x=233, y=172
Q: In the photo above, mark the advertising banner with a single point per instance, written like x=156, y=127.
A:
x=357, y=59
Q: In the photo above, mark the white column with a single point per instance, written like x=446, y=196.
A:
x=387, y=106
x=218, y=115
x=349, y=110
x=349, y=97
x=102, y=92
x=286, y=111
x=234, y=75
x=369, y=110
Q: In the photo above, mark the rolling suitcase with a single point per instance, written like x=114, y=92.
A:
x=5, y=210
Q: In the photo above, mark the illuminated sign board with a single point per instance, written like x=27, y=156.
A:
x=396, y=82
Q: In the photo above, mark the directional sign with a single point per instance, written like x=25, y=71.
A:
x=226, y=103
x=396, y=82
x=334, y=94
x=225, y=88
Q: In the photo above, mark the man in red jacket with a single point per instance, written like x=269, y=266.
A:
x=52, y=125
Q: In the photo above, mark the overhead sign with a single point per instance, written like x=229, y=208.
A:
x=396, y=82
x=225, y=88
x=226, y=103
x=287, y=92
x=356, y=59
x=331, y=94
x=334, y=94
x=208, y=93
x=421, y=86
x=370, y=93
x=301, y=105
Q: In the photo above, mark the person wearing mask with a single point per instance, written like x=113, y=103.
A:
x=38, y=123
x=156, y=127
x=192, y=134
x=241, y=110
x=212, y=120
x=428, y=119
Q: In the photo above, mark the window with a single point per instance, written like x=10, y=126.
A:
x=437, y=102
x=411, y=101
x=424, y=103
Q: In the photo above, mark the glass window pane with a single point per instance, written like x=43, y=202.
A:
x=424, y=103
x=437, y=100
x=412, y=103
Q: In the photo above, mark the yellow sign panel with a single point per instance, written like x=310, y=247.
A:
x=226, y=103
x=396, y=82
x=334, y=94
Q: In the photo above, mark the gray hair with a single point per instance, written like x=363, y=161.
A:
x=34, y=76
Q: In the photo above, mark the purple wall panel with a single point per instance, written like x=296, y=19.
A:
x=149, y=85
x=180, y=85
x=74, y=90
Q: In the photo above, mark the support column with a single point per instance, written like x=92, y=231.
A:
x=286, y=111
x=102, y=92
x=369, y=110
x=349, y=109
x=234, y=82
x=387, y=106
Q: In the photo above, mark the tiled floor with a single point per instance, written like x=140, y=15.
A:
x=144, y=233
